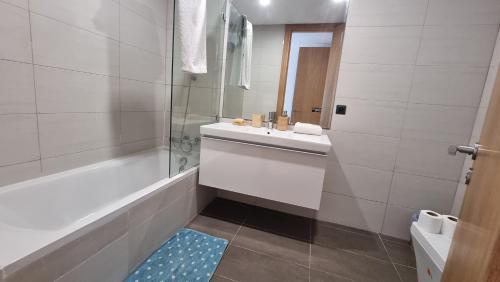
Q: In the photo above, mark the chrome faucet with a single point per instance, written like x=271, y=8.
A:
x=271, y=119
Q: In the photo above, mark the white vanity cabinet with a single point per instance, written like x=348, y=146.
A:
x=270, y=164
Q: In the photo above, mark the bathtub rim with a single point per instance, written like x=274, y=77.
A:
x=96, y=219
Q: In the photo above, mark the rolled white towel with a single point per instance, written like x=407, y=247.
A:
x=307, y=128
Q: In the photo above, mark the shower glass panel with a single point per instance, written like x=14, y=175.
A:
x=195, y=98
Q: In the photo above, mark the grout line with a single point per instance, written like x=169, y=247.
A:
x=34, y=90
x=404, y=265
x=390, y=258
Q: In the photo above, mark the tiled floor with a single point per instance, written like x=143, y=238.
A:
x=267, y=245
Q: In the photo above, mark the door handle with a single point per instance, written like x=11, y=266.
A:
x=464, y=149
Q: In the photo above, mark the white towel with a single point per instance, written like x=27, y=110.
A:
x=307, y=128
x=246, y=58
x=193, y=35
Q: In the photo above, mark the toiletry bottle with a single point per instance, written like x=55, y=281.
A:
x=283, y=121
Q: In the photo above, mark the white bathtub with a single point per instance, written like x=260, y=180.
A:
x=40, y=216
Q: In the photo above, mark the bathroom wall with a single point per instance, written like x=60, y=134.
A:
x=478, y=125
x=412, y=74
x=80, y=82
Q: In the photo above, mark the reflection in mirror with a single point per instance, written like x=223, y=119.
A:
x=292, y=66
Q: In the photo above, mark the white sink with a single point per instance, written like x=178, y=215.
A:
x=273, y=137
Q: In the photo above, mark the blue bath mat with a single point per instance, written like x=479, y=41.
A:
x=189, y=255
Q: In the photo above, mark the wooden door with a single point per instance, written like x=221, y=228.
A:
x=475, y=250
x=310, y=84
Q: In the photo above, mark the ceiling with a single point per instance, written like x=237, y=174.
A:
x=293, y=11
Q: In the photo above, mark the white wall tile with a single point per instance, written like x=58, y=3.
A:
x=357, y=213
x=381, y=45
x=370, y=117
x=60, y=45
x=463, y=12
x=134, y=147
x=357, y=181
x=142, y=96
x=386, y=12
x=372, y=151
x=470, y=45
x=137, y=31
x=428, y=158
x=60, y=91
x=380, y=82
x=18, y=141
x=397, y=222
x=15, y=36
x=454, y=86
x=99, y=16
x=19, y=3
x=141, y=65
x=68, y=133
x=137, y=126
x=439, y=123
x=17, y=93
x=419, y=192
x=19, y=172
x=70, y=161
x=152, y=10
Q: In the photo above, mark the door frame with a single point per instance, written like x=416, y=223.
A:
x=337, y=31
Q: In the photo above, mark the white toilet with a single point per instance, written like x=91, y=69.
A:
x=431, y=251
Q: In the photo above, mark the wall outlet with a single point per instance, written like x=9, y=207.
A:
x=341, y=109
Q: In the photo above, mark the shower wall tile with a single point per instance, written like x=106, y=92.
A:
x=468, y=45
x=19, y=172
x=143, y=96
x=138, y=31
x=357, y=181
x=370, y=117
x=63, y=91
x=381, y=45
x=69, y=161
x=134, y=147
x=380, y=82
x=17, y=94
x=19, y=3
x=439, y=123
x=138, y=126
x=154, y=11
x=375, y=13
x=141, y=65
x=18, y=141
x=448, y=85
x=353, y=212
x=448, y=12
x=59, y=45
x=366, y=150
x=68, y=133
x=15, y=36
x=419, y=192
x=428, y=158
x=99, y=16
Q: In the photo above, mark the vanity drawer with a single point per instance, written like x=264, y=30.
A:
x=283, y=175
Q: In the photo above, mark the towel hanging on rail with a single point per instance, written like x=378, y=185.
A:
x=192, y=30
x=246, y=58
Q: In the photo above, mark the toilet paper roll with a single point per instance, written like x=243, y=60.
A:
x=449, y=225
x=430, y=221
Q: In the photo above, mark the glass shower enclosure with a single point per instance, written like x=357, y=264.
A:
x=194, y=98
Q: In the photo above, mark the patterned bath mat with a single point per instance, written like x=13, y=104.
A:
x=188, y=255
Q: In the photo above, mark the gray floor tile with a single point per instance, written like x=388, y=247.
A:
x=354, y=266
x=400, y=252
x=227, y=210
x=214, y=227
x=244, y=265
x=320, y=276
x=274, y=245
x=408, y=274
x=343, y=227
x=365, y=244
x=217, y=278
x=280, y=223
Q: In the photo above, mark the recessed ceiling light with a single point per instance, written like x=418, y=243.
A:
x=338, y=1
x=264, y=2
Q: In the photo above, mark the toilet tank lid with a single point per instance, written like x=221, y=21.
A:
x=436, y=246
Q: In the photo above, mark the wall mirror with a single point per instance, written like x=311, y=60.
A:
x=293, y=64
